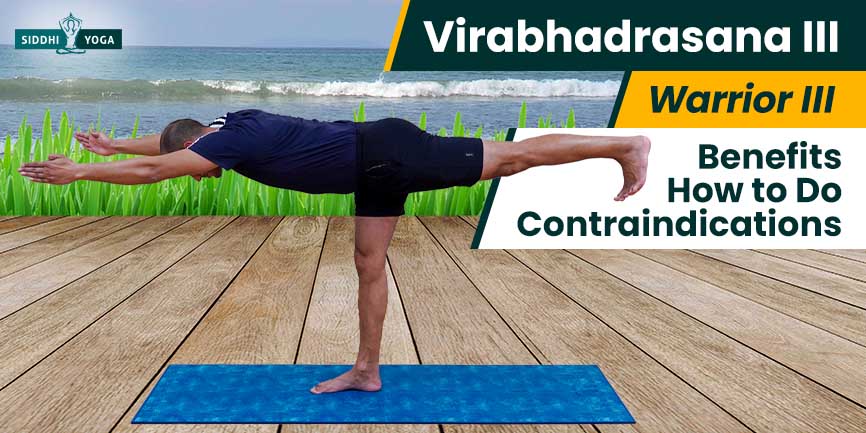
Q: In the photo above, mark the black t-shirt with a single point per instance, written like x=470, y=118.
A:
x=283, y=151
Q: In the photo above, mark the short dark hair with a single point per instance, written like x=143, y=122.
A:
x=177, y=133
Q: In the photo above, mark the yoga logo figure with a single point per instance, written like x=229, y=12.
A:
x=70, y=26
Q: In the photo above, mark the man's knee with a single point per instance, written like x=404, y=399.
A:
x=369, y=264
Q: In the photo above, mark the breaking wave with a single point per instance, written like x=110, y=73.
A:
x=86, y=88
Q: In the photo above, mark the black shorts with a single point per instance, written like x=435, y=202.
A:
x=396, y=158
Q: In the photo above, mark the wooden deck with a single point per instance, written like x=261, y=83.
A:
x=93, y=309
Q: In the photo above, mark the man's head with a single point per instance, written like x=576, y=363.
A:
x=181, y=134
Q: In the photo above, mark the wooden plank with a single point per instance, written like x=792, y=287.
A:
x=331, y=332
x=837, y=265
x=89, y=383
x=446, y=312
x=824, y=357
x=759, y=392
x=28, y=255
x=42, y=231
x=5, y=218
x=19, y=223
x=562, y=332
x=826, y=313
x=825, y=283
x=42, y=327
x=21, y=288
x=858, y=255
x=451, y=321
x=257, y=320
x=473, y=221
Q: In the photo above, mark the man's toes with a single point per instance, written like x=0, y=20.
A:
x=323, y=388
x=333, y=385
x=623, y=193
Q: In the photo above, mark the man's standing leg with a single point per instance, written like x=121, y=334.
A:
x=372, y=237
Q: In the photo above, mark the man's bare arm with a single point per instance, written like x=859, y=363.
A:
x=147, y=145
x=101, y=144
x=60, y=170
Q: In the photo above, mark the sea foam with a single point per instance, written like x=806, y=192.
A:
x=87, y=88
x=430, y=89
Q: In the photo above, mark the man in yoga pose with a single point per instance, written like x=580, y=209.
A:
x=381, y=162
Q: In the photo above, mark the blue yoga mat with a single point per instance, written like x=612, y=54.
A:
x=412, y=394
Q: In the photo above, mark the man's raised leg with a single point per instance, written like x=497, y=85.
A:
x=507, y=158
x=372, y=237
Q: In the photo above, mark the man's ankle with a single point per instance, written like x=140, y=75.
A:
x=366, y=368
x=625, y=147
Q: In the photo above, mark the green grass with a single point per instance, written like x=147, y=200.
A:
x=231, y=194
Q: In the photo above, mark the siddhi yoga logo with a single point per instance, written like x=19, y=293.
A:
x=71, y=38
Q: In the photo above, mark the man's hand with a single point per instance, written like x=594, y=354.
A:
x=96, y=142
x=58, y=170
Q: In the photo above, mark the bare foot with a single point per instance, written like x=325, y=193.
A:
x=634, y=165
x=352, y=379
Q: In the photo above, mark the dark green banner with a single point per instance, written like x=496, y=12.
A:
x=631, y=35
x=100, y=39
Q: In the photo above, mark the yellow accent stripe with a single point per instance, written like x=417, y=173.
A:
x=396, y=39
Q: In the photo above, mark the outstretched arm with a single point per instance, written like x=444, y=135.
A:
x=101, y=144
x=60, y=170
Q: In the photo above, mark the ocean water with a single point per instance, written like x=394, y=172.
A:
x=160, y=84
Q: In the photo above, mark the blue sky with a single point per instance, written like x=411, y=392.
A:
x=259, y=23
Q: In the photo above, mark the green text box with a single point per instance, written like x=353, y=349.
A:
x=99, y=39
x=39, y=39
